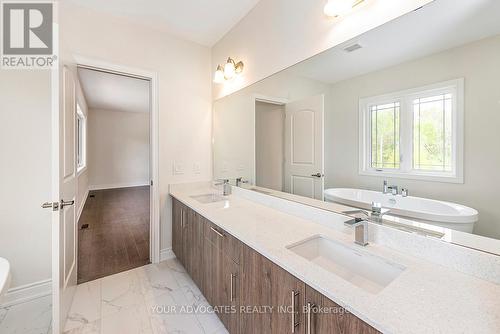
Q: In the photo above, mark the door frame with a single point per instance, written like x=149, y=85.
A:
x=279, y=101
x=152, y=76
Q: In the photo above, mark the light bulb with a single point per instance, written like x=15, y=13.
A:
x=229, y=69
x=219, y=75
x=335, y=8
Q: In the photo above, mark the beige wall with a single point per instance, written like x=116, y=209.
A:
x=479, y=64
x=118, y=151
x=184, y=73
x=269, y=145
x=25, y=174
x=277, y=34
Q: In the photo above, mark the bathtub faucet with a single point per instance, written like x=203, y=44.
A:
x=377, y=212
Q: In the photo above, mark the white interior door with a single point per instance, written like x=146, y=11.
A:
x=304, y=171
x=64, y=243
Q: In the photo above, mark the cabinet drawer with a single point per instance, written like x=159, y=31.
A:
x=224, y=241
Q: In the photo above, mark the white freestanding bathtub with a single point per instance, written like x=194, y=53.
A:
x=444, y=214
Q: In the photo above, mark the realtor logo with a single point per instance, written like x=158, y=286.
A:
x=27, y=36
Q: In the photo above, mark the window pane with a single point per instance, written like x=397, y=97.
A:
x=385, y=135
x=432, y=133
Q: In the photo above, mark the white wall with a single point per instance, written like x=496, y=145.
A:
x=118, y=150
x=479, y=64
x=279, y=33
x=269, y=145
x=25, y=174
x=184, y=89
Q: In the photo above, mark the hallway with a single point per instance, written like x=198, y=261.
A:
x=117, y=236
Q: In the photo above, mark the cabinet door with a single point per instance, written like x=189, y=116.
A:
x=212, y=278
x=323, y=316
x=229, y=295
x=177, y=226
x=277, y=294
x=195, y=246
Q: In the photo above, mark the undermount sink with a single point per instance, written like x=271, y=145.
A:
x=364, y=270
x=208, y=198
x=4, y=276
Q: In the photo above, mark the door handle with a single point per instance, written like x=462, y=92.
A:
x=232, y=277
x=309, y=308
x=66, y=203
x=317, y=175
x=295, y=323
x=51, y=205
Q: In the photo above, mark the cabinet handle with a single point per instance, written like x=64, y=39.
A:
x=310, y=306
x=182, y=218
x=295, y=323
x=217, y=232
x=232, y=287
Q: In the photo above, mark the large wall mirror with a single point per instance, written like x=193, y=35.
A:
x=399, y=121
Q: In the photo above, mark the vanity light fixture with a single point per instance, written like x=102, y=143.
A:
x=229, y=71
x=337, y=8
x=219, y=75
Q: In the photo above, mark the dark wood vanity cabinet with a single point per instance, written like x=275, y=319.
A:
x=271, y=298
x=324, y=316
x=178, y=210
x=251, y=294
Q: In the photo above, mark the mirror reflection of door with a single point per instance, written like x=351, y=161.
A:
x=304, y=173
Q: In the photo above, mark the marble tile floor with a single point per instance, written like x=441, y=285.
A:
x=156, y=298
x=32, y=317
x=153, y=299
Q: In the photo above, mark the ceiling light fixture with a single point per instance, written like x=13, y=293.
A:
x=229, y=71
x=337, y=8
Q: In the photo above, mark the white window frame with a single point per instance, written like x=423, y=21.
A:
x=406, y=98
x=80, y=115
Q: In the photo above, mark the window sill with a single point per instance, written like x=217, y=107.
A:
x=80, y=170
x=414, y=176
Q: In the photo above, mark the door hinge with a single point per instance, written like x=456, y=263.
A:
x=151, y=183
x=51, y=205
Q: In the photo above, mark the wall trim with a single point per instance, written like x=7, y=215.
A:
x=166, y=254
x=118, y=185
x=80, y=209
x=27, y=292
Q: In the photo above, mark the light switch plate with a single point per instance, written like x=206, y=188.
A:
x=178, y=168
x=196, y=168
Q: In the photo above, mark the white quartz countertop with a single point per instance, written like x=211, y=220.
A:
x=424, y=298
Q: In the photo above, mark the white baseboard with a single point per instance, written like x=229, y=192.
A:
x=27, y=292
x=80, y=209
x=118, y=185
x=166, y=254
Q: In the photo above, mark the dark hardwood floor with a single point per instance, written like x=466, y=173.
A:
x=117, y=238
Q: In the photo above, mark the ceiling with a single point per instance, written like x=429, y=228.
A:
x=114, y=92
x=440, y=25
x=200, y=21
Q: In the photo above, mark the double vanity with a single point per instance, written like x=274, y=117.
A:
x=268, y=265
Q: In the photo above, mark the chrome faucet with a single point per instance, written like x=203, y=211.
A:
x=405, y=192
x=240, y=181
x=377, y=212
x=360, y=230
x=386, y=190
x=226, y=187
x=393, y=190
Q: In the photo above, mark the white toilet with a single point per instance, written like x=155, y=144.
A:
x=4, y=276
